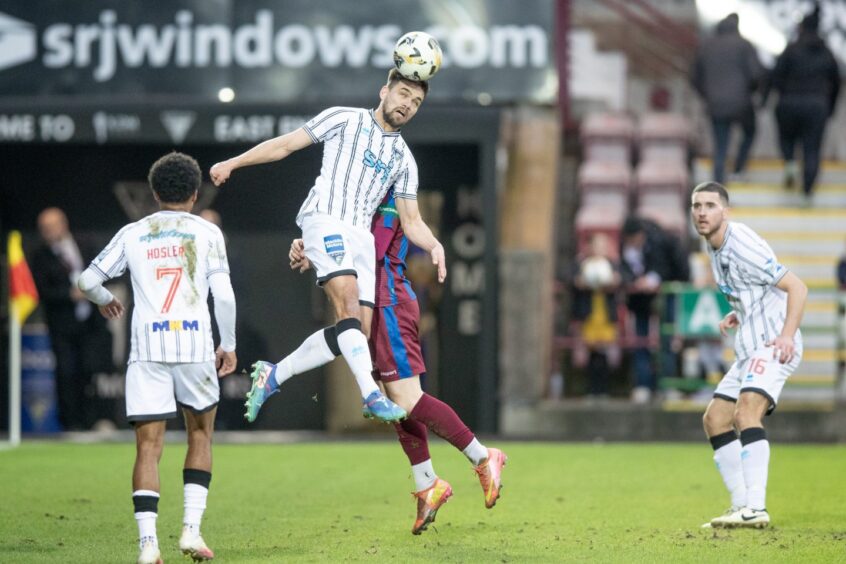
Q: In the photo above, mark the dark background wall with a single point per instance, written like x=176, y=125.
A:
x=277, y=308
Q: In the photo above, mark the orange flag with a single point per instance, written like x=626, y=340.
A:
x=23, y=297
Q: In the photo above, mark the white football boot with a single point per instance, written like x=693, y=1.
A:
x=193, y=545
x=743, y=517
x=150, y=554
x=718, y=521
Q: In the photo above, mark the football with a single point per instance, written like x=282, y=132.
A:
x=597, y=272
x=417, y=55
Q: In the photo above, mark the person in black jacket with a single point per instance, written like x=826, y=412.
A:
x=81, y=342
x=727, y=72
x=808, y=81
x=649, y=256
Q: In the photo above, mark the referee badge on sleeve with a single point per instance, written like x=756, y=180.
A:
x=334, y=247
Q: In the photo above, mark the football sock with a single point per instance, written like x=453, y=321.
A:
x=727, y=455
x=146, y=505
x=424, y=475
x=317, y=350
x=196, y=491
x=353, y=345
x=756, y=462
x=414, y=440
x=475, y=452
x=444, y=422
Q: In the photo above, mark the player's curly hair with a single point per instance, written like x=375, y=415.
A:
x=175, y=177
x=394, y=76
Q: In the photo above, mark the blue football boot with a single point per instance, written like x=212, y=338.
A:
x=264, y=386
x=377, y=406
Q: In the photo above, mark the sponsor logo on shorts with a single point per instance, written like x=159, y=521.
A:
x=391, y=373
x=179, y=325
x=334, y=247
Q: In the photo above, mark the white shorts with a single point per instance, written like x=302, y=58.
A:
x=759, y=373
x=154, y=388
x=337, y=249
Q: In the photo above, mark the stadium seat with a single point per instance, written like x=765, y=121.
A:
x=607, y=137
x=663, y=136
x=664, y=177
x=599, y=177
x=668, y=211
x=604, y=218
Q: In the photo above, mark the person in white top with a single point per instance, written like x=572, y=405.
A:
x=174, y=259
x=767, y=304
x=364, y=156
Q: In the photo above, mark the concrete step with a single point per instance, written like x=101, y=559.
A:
x=819, y=319
x=772, y=172
x=792, y=393
x=817, y=272
x=820, y=340
x=792, y=243
x=754, y=195
x=831, y=223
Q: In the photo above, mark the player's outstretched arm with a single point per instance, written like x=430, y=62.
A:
x=268, y=151
x=419, y=233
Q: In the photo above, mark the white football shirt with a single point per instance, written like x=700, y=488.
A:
x=170, y=256
x=361, y=162
x=746, y=271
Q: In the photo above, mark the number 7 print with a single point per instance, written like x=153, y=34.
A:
x=176, y=272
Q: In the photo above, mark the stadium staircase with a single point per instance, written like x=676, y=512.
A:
x=808, y=240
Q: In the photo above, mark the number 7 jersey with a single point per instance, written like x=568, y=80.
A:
x=170, y=256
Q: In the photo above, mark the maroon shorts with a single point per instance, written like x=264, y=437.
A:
x=395, y=343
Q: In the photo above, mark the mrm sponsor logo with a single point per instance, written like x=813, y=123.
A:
x=181, y=325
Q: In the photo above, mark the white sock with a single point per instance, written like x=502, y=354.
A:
x=312, y=353
x=195, y=505
x=146, y=527
x=146, y=520
x=730, y=466
x=424, y=475
x=475, y=452
x=756, y=462
x=353, y=345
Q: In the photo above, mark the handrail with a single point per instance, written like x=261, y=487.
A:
x=654, y=22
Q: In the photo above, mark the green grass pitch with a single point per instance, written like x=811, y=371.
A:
x=349, y=501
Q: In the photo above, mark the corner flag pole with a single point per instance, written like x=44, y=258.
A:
x=14, y=378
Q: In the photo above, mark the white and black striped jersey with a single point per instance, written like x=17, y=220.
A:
x=747, y=271
x=170, y=256
x=361, y=162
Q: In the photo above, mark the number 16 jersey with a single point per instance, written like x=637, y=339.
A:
x=170, y=256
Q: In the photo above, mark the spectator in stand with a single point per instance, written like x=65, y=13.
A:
x=80, y=339
x=595, y=309
x=841, y=272
x=807, y=79
x=727, y=73
x=841, y=317
x=650, y=256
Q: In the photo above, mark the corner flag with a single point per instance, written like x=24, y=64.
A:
x=23, y=297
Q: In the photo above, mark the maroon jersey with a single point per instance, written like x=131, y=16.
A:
x=392, y=287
